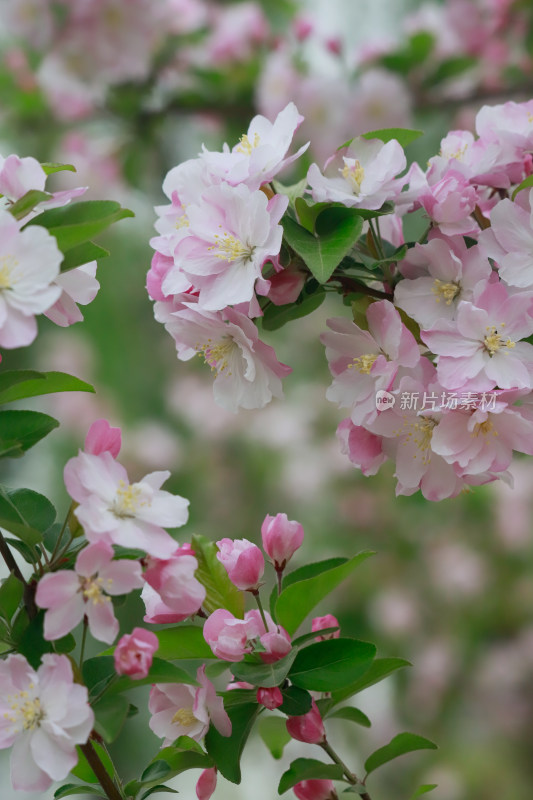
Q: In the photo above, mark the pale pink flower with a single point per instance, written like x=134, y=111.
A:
x=29, y=267
x=228, y=637
x=328, y=621
x=363, y=362
x=101, y=438
x=315, y=789
x=20, y=175
x=173, y=590
x=113, y=510
x=232, y=232
x=449, y=202
x=261, y=152
x=480, y=161
x=243, y=562
x=363, y=175
x=508, y=123
x=179, y=709
x=281, y=538
x=206, y=784
x=274, y=639
x=69, y=595
x=363, y=448
x=307, y=728
x=509, y=241
x=481, y=348
x=78, y=285
x=134, y=653
x=269, y=698
x=237, y=30
x=248, y=373
x=44, y=715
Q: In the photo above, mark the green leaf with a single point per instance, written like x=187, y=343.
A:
x=11, y=592
x=380, y=669
x=332, y=664
x=158, y=789
x=70, y=789
x=29, y=554
x=20, y=430
x=170, y=761
x=30, y=641
x=298, y=600
x=308, y=212
x=449, y=68
x=82, y=254
x=309, y=637
x=428, y=787
x=266, y=675
x=27, y=203
x=337, y=231
x=226, y=751
x=153, y=772
x=65, y=645
x=296, y=701
x=351, y=714
x=98, y=671
x=402, y=135
x=292, y=192
x=526, y=184
x=235, y=697
x=310, y=570
x=411, y=54
x=304, y=769
x=18, y=384
x=84, y=772
x=53, y=166
x=25, y=513
x=276, y=316
x=221, y=593
x=110, y=715
x=77, y=223
x=401, y=744
x=273, y=731
x=182, y=642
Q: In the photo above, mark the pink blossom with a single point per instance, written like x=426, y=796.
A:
x=275, y=640
x=308, y=727
x=363, y=362
x=321, y=623
x=227, y=636
x=114, y=511
x=134, y=653
x=243, y=561
x=480, y=161
x=29, y=266
x=78, y=286
x=179, y=709
x=508, y=123
x=172, y=588
x=261, y=152
x=102, y=438
x=315, y=789
x=247, y=371
x=364, y=177
x=281, y=538
x=509, y=241
x=285, y=286
x=449, y=203
x=237, y=31
x=206, y=784
x=20, y=175
x=481, y=348
x=44, y=715
x=363, y=448
x=69, y=595
x=269, y=698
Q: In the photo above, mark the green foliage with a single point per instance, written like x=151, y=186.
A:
x=79, y=222
x=449, y=68
x=351, y=714
x=332, y=664
x=527, y=183
x=311, y=297
x=20, y=430
x=110, y=715
x=70, y=789
x=304, y=769
x=267, y=675
x=159, y=789
x=19, y=384
x=185, y=641
x=221, y=593
x=27, y=203
x=53, y=166
x=428, y=787
x=169, y=762
x=84, y=772
x=226, y=751
x=292, y=192
x=25, y=513
x=413, y=53
x=273, y=731
x=11, y=592
x=82, y=254
x=298, y=600
x=296, y=701
x=380, y=669
x=403, y=136
x=401, y=744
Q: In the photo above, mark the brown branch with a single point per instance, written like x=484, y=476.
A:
x=29, y=588
x=352, y=285
x=100, y=771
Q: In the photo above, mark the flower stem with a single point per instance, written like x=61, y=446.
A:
x=100, y=771
x=83, y=640
x=61, y=532
x=279, y=573
x=261, y=611
x=29, y=588
x=351, y=777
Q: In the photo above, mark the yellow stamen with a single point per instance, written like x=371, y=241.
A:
x=7, y=265
x=230, y=248
x=29, y=712
x=182, y=222
x=420, y=434
x=494, y=341
x=185, y=717
x=93, y=592
x=484, y=428
x=127, y=500
x=217, y=355
x=445, y=291
x=354, y=174
x=245, y=146
x=364, y=363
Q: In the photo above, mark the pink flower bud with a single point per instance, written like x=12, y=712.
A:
x=276, y=645
x=206, y=784
x=285, y=286
x=303, y=28
x=238, y=685
x=334, y=45
x=321, y=623
x=315, y=789
x=243, y=561
x=281, y=538
x=134, y=653
x=227, y=636
x=270, y=698
x=308, y=727
x=102, y=438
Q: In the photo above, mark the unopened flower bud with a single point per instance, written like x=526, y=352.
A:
x=206, y=784
x=308, y=727
x=134, y=653
x=322, y=623
x=315, y=789
x=281, y=538
x=243, y=561
x=270, y=698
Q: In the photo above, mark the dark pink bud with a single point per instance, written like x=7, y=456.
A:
x=281, y=538
x=315, y=790
x=206, y=784
x=285, y=287
x=134, y=653
x=270, y=698
x=308, y=727
x=243, y=561
x=102, y=438
x=321, y=623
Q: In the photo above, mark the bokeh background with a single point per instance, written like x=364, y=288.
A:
x=126, y=96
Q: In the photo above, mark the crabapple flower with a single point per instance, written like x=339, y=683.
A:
x=363, y=448
x=134, y=653
x=29, y=266
x=114, y=511
x=172, y=588
x=363, y=362
x=448, y=202
x=275, y=640
x=481, y=348
x=281, y=538
x=78, y=286
x=20, y=175
x=509, y=241
x=101, y=438
x=365, y=177
x=179, y=709
x=243, y=562
x=206, y=783
x=69, y=595
x=308, y=727
x=315, y=789
x=261, y=152
x=228, y=637
x=232, y=232
x=44, y=715
x=248, y=373
x=321, y=623
x=269, y=698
